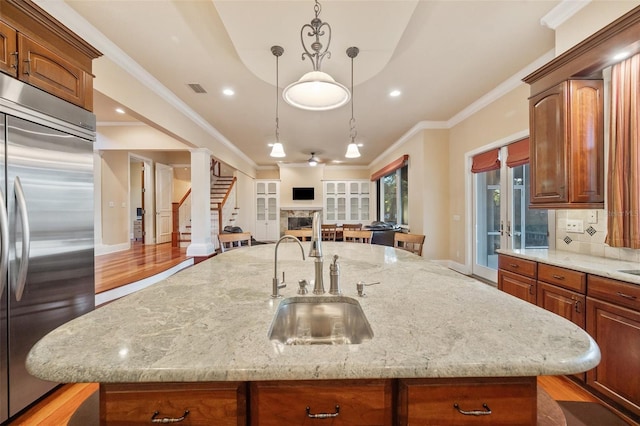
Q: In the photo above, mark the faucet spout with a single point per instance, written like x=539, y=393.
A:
x=277, y=284
x=316, y=251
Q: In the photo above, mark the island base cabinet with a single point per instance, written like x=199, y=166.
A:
x=192, y=404
x=504, y=401
x=344, y=402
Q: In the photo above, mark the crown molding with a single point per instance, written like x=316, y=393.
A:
x=562, y=12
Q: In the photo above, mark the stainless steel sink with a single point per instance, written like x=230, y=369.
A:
x=320, y=320
x=630, y=271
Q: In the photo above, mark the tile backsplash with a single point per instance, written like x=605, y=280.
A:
x=591, y=239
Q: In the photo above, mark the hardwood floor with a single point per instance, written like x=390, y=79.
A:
x=141, y=262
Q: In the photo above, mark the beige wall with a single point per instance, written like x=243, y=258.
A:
x=590, y=19
x=181, y=182
x=506, y=116
x=115, y=197
x=300, y=175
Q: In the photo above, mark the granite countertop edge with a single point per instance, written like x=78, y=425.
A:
x=209, y=322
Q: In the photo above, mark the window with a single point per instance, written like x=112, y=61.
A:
x=393, y=199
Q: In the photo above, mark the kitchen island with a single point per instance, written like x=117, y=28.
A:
x=432, y=328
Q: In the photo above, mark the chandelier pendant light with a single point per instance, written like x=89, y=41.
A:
x=313, y=160
x=277, y=150
x=316, y=90
x=352, y=148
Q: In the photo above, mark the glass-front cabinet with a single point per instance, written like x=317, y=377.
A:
x=267, y=210
x=346, y=201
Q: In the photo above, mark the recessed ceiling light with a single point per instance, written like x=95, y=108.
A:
x=621, y=55
x=270, y=145
x=228, y=92
x=360, y=145
x=119, y=110
x=395, y=93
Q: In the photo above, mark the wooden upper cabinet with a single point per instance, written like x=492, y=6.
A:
x=49, y=56
x=8, y=50
x=43, y=68
x=567, y=146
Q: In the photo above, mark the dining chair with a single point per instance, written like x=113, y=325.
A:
x=409, y=242
x=233, y=240
x=352, y=226
x=356, y=236
x=301, y=234
x=329, y=232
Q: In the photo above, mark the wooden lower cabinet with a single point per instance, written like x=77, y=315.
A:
x=337, y=402
x=500, y=401
x=517, y=285
x=616, y=330
x=193, y=404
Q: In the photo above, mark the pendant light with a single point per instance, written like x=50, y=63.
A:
x=352, y=148
x=277, y=150
x=316, y=90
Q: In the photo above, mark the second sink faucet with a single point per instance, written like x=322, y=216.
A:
x=277, y=285
x=316, y=251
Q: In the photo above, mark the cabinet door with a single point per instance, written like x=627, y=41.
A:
x=547, y=141
x=48, y=71
x=508, y=401
x=344, y=402
x=586, y=141
x=199, y=403
x=616, y=330
x=517, y=285
x=8, y=50
x=568, y=304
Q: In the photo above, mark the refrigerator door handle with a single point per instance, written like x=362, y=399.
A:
x=21, y=202
x=4, y=242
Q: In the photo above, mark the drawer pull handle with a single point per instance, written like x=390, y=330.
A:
x=323, y=415
x=484, y=412
x=514, y=265
x=168, y=419
x=627, y=296
x=558, y=277
x=578, y=306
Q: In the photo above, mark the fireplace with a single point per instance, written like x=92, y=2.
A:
x=296, y=218
x=299, y=222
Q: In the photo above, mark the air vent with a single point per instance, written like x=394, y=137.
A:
x=197, y=88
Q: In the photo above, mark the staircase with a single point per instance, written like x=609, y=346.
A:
x=223, y=210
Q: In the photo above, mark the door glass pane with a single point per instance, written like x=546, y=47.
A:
x=353, y=208
x=342, y=208
x=260, y=209
x=488, y=218
x=364, y=213
x=331, y=209
x=529, y=227
x=272, y=208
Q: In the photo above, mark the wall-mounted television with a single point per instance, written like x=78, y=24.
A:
x=300, y=193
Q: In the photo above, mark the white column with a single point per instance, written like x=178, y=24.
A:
x=201, y=244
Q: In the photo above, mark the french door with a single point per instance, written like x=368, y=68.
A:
x=502, y=218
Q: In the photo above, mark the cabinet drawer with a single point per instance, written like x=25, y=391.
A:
x=618, y=292
x=360, y=402
x=562, y=277
x=206, y=403
x=517, y=265
x=511, y=401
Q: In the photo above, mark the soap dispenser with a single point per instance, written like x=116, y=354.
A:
x=334, y=276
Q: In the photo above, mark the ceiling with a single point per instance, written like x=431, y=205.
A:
x=442, y=55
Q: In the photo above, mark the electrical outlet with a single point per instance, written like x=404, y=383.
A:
x=575, y=226
x=593, y=216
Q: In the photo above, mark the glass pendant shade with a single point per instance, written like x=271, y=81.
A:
x=352, y=151
x=278, y=150
x=316, y=91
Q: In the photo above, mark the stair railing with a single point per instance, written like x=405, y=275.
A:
x=175, y=208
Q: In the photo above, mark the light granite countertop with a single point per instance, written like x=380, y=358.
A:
x=601, y=266
x=209, y=322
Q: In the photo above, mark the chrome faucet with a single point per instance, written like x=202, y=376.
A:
x=277, y=284
x=316, y=251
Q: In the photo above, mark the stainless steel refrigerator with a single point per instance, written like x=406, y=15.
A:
x=46, y=228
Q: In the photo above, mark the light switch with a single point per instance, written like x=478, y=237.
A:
x=593, y=216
